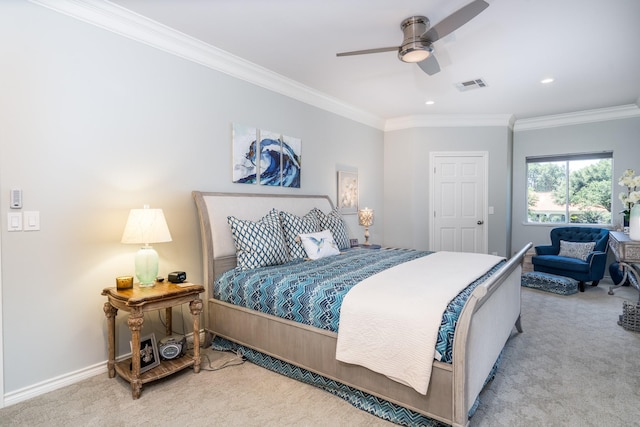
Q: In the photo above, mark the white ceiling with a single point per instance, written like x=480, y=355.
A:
x=590, y=47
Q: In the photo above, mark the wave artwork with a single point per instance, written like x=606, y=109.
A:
x=278, y=163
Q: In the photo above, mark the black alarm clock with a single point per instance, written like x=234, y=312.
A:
x=172, y=347
x=177, y=276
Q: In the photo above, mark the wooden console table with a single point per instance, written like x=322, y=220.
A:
x=138, y=301
x=627, y=253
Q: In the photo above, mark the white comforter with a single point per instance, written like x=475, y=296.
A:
x=389, y=322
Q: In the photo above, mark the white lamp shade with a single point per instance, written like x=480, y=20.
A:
x=146, y=226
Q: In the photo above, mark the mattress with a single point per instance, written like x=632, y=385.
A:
x=311, y=292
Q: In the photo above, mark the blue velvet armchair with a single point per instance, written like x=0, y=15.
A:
x=574, y=259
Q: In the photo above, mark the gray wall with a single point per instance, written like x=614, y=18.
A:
x=619, y=136
x=93, y=124
x=406, y=191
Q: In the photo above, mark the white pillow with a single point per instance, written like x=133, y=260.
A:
x=579, y=250
x=319, y=245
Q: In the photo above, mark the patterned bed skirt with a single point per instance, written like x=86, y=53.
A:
x=361, y=400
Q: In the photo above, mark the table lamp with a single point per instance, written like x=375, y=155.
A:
x=365, y=218
x=146, y=226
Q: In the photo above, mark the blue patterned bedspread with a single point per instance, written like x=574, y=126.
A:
x=311, y=292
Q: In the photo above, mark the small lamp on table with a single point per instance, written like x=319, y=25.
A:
x=146, y=226
x=365, y=218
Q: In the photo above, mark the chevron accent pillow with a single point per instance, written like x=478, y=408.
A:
x=293, y=226
x=333, y=222
x=259, y=243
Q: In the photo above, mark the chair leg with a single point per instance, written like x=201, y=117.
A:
x=581, y=286
x=595, y=283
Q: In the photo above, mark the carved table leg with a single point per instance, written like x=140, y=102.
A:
x=624, y=267
x=111, y=312
x=195, y=307
x=135, y=325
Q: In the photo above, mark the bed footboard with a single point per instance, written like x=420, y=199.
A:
x=485, y=324
x=314, y=350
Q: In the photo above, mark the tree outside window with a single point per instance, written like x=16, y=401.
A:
x=572, y=189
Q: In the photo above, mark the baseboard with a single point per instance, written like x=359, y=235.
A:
x=52, y=384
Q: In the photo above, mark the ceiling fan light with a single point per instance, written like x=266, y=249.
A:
x=414, y=52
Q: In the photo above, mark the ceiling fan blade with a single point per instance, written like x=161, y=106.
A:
x=366, y=51
x=454, y=21
x=430, y=65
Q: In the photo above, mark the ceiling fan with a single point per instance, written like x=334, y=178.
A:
x=417, y=45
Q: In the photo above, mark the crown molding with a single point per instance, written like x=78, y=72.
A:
x=580, y=117
x=450, y=120
x=124, y=22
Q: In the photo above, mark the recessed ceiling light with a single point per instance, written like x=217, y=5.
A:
x=430, y=102
x=547, y=80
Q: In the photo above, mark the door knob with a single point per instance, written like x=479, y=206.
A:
x=480, y=222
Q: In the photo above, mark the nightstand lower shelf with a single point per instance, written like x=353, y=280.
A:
x=166, y=368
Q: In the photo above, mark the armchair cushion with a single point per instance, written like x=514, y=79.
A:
x=562, y=263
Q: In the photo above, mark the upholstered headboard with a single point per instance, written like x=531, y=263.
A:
x=218, y=249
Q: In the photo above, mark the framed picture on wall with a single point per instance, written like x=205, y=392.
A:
x=348, y=192
x=265, y=157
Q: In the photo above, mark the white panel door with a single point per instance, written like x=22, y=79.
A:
x=458, y=201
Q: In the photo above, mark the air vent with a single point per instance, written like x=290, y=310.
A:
x=471, y=84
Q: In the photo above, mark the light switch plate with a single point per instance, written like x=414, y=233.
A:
x=14, y=221
x=31, y=221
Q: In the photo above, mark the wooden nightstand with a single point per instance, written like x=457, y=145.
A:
x=137, y=301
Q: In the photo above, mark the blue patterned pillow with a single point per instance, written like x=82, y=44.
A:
x=259, y=243
x=293, y=226
x=334, y=223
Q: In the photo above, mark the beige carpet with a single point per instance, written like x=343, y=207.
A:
x=572, y=366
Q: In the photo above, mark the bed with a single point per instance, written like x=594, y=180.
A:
x=485, y=321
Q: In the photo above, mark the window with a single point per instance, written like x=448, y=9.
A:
x=572, y=189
